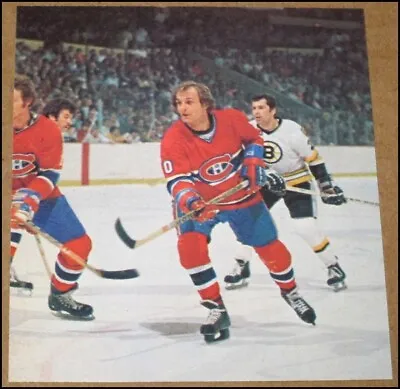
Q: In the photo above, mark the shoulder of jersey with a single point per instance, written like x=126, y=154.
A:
x=228, y=112
x=48, y=124
x=174, y=130
x=290, y=124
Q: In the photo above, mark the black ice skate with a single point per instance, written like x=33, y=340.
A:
x=15, y=282
x=336, y=277
x=64, y=306
x=303, y=310
x=217, y=325
x=238, y=278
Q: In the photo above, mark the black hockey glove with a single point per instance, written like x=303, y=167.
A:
x=331, y=194
x=275, y=183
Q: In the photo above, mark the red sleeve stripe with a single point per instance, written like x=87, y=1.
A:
x=171, y=184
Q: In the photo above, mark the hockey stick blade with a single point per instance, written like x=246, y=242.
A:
x=119, y=274
x=131, y=243
x=21, y=284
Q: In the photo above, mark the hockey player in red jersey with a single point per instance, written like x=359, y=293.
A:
x=204, y=154
x=37, y=162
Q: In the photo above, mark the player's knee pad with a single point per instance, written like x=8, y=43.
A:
x=308, y=229
x=193, y=250
x=80, y=246
x=276, y=256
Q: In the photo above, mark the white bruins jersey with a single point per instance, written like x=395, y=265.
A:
x=289, y=151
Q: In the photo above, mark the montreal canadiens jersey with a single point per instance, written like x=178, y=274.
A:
x=288, y=151
x=37, y=157
x=209, y=164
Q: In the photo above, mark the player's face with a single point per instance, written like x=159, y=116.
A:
x=263, y=114
x=191, y=111
x=64, y=119
x=20, y=109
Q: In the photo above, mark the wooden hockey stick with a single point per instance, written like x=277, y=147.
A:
x=112, y=275
x=134, y=243
x=43, y=256
x=315, y=193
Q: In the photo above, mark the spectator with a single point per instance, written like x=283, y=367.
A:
x=115, y=136
x=95, y=136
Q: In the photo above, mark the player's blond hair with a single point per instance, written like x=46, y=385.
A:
x=25, y=85
x=203, y=90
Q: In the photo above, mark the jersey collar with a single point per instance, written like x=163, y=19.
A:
x=32, y=120
x=206, y=135
x=275, y=129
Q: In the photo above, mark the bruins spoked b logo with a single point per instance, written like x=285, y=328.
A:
x=272, y=152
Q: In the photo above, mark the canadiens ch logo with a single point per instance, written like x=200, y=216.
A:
x=216, y=169
x=23, y=164
x=272, y=152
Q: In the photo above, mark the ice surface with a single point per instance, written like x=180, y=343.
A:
x=147, y=329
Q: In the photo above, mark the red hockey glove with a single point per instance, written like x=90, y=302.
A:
x=189, y=200
x=25, y=202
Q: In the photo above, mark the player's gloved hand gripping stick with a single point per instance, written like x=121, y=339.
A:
x=133, y=243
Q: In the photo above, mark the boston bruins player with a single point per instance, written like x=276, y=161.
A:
x=291, y=154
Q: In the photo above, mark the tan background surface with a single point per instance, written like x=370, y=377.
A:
x=381, y=21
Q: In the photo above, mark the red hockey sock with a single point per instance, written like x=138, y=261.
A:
x=193, y=255
x=278, y=260
x=67, y=271
x=16, y=236
x=13, y=251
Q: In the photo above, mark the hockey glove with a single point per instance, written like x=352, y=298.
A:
x=331, y=194
x=253, y=168
x=275, y=183
x=189, y=200
x=24, y=204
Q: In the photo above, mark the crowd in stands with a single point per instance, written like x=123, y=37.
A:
x=123, y=90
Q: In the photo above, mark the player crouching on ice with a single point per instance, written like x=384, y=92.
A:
x=204, y=154
x=37, y=161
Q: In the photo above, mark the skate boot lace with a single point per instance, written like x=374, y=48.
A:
x=334, y=272
x=298, y=303
x=214, y=315
x=67, y=301
x=300, y=306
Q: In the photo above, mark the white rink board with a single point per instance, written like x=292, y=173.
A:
x=147, y=329
x=142, y=160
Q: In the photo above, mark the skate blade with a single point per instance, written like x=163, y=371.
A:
x=239, y=285
x=338, y=287
x=68, y=316
x=218, y=337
